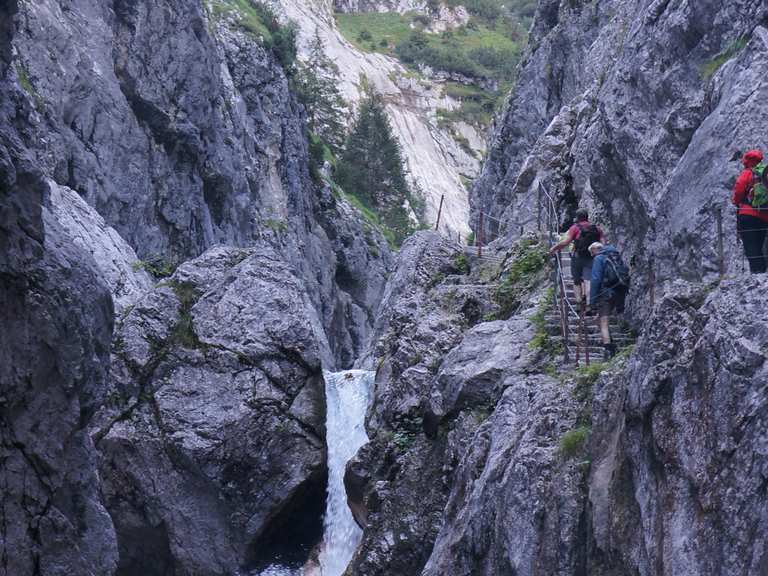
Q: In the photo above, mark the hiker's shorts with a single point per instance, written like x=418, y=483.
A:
x=613, y=303
x=581, y=268
x=605, y=307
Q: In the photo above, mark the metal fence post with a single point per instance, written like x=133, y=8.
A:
x=720, y=248
x=480, y=237
x=439, y=211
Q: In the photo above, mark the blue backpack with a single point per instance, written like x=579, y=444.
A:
x=616, y=272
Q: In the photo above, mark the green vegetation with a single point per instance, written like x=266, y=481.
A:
x=183, y=333
x=502, y=13
x=259, y=20
x=585, y=379
x=488, y=47
x=157, y=266
x=403, y=439
x=276, y=225
x=542, y=340
x=367, y=213
x=371, y=169
x=574, y=441
x=317, y=85
x=476, y=50
x=477, y=105
x=709, y=69
x=374, y=31
x=528, y=261
x=26, y=83
x=461, y=263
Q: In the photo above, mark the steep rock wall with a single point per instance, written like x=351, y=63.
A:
x=152, y=130
x=54, y=353
x=181, y=131
x=637, y=111
x=436, y=161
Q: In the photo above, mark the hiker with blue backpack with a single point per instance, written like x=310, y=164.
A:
x=750, y=196
x=609, y=288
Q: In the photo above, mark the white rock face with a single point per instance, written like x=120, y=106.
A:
x=434, y=159
x=114, y=258
x=400, y=6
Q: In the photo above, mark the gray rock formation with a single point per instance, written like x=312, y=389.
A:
x=217, y=377
x=184, y=134
x=401, y=6
x=54, y=353
x=117, y=263
x=437, y=380
x=157, y=124
x=637, y=111
x=680, y=441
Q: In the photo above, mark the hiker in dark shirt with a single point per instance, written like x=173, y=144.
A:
x=581, y=234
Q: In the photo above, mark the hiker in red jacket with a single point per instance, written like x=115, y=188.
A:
x=751, y=198
x=581, y=234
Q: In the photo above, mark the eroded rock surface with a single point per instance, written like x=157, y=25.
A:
x=637, y=111
x=56, y=315
x=680, y=452
x=216, y=425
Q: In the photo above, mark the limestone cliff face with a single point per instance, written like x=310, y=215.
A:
x=436, y=160
x=181, y=132
x=636, y=110
x=54, y=355
x=140, y=137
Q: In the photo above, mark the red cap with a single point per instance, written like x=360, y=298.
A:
x=752, y=158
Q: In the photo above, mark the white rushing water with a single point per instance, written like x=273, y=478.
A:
x=347, y=396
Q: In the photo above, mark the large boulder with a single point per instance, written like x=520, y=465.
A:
x=216, y=429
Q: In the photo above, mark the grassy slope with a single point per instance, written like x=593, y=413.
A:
x=384, y=32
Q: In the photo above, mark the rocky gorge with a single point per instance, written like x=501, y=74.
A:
x=174, y=282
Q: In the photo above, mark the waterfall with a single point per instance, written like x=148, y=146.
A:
x=347, y=397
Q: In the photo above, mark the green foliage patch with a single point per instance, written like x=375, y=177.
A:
x=528, y=261
x=260, y=21
x=574, y=441
x=157, y=266
x=461, y=263
x=183, y=332
x=481, y=49
x=372, y=170
x=708, y=69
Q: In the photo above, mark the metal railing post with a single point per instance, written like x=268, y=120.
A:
x=720, y=248
x=480, y=237
x=439, y=211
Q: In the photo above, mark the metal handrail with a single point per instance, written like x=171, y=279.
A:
x=553, y=218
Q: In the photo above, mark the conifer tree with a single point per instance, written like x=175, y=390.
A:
x=372, y=168
x=318, y=86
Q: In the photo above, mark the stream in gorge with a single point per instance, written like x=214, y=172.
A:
x=348, y=395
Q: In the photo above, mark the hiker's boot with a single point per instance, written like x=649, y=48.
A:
x=609, y=351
